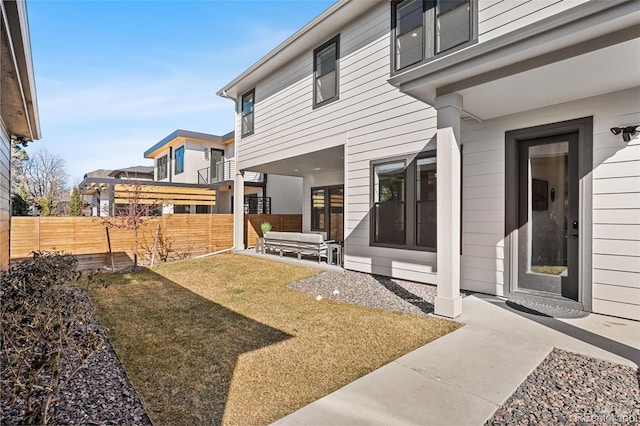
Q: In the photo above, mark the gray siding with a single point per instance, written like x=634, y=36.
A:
x=5, y=194
x=616, y=200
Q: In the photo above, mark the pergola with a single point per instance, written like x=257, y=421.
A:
x=122, y=191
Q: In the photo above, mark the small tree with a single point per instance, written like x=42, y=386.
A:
x=75, y=203
x=47, y=206
x=46, y=334
x=133, y=214
x=19, y=207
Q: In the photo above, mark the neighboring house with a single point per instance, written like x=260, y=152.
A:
x=18, y=104
x=192, y=157
x=464, y=143
x=97, y=186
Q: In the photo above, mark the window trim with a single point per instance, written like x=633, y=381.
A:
x=253, y=113
x=335, y=40
x=175, y=157
x=166, y=167
x=473, y=35
x=410, y=200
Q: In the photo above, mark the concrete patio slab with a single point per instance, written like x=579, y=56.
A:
x=463, y=377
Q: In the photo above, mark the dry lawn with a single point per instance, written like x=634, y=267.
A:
x=222, y=340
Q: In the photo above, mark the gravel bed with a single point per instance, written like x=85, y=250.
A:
x=567, y=388
x=99, y=394
x=373, y=291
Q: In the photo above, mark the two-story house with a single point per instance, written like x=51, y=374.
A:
x=479, y=144
x=204, y=159
x=18, y=104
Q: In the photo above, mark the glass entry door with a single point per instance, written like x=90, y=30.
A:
x=548, y=215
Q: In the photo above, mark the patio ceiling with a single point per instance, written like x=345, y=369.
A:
x=323, y=161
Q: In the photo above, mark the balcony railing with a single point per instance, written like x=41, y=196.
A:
x=225, y=171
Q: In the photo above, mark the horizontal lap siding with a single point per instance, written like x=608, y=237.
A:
x=616, y=213
x=371, y=118
x=616, y=200
x=498, y=17
x=482, y=263
x=5, y=194
x=387, y=124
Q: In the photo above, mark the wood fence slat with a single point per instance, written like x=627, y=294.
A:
x=86, y=238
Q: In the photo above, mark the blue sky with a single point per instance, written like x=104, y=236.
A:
x=115, y=77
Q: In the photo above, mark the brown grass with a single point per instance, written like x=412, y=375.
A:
x=224, y=340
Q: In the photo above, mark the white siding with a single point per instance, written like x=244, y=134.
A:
x=285, y=193
x=372, y=118
x=616, y=200
x=497, y=17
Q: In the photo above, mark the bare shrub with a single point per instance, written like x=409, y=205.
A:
x=46, y=336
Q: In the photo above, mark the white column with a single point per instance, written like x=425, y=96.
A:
x=238, y=212
x=448, y=301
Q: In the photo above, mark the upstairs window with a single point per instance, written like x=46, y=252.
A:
x=325, y=72
x=161, y=168
x=423, y=29
x=179, y=160
x=248, y=100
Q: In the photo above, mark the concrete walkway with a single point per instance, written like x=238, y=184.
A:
x=463, y=377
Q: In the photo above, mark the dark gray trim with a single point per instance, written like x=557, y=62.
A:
x=409, y=200
x=335, y=40
x=253, y=112
x=583, y=127
x=327, y=207
x=426, y=57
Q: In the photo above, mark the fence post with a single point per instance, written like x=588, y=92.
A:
x=38, y=232
x=210, y=232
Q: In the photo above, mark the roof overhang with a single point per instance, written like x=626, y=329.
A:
x=322, y=28
x=18, y=104
x=179, y=136
x=585, y=51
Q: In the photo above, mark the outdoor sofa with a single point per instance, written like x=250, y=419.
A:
x=295, y=242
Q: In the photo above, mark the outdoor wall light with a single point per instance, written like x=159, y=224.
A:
x=627, y=132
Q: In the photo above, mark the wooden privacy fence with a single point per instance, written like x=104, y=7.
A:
x=180, y=236
x=279, y=222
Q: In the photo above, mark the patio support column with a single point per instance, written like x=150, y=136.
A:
x=448, y=301
x=238, y=211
